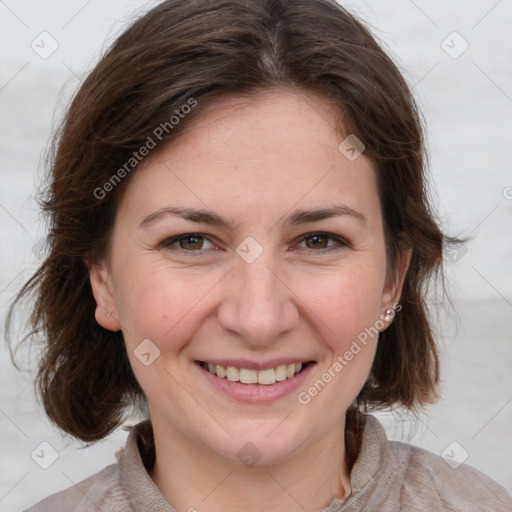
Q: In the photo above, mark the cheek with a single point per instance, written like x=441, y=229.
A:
x=346, y=301
x=163, y=307
x=347, y=308
x=161, y=303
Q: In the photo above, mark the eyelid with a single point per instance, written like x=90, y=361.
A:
x=168, y=243
x=341, y=243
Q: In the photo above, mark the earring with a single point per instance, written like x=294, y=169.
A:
x=109, y=314
x=388, y=315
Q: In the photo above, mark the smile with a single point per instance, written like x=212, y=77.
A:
x=266, y=377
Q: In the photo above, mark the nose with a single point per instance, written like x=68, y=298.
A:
x=257, y=303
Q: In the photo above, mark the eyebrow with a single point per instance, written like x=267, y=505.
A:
x=213, y=219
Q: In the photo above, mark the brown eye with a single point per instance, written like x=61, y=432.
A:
x=324, y=241
x=316, y=241
x=188, y=242
x=191, y=242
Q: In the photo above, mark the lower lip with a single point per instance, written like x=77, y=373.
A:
x=256, y=392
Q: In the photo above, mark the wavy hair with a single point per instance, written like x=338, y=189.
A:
x=191, y=50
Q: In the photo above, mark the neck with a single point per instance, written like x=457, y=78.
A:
x=191, y=477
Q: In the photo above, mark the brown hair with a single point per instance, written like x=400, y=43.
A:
x=185, y=51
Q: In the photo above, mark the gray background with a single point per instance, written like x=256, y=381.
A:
x=466, y=98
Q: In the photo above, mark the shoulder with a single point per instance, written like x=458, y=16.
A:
x=391, y=475
x=121, y=486
x=429, y=482
x=101, y=491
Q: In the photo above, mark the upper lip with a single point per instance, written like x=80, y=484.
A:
x=256, y=365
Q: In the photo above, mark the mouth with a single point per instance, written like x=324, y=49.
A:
x=265, y=376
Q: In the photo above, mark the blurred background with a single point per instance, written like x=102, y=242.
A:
x=456, y=56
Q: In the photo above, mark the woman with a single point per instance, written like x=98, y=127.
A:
x=240, y=241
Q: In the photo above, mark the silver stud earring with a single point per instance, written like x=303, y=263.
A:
x=388, y=315
x=109, y=314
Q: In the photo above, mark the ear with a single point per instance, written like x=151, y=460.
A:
x=101, y=284
x=394, y=282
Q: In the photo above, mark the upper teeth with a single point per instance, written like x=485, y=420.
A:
x=246, y=376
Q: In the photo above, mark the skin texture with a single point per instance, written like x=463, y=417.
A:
x=254, y=162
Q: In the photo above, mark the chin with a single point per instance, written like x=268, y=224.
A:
x=263, y=444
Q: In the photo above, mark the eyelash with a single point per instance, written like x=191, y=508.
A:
x=168, y=243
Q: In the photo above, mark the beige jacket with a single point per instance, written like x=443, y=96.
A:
x=388, y=476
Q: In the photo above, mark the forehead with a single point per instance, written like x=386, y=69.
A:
x=263, y=154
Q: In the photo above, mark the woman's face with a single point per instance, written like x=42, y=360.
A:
x=250, y=286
